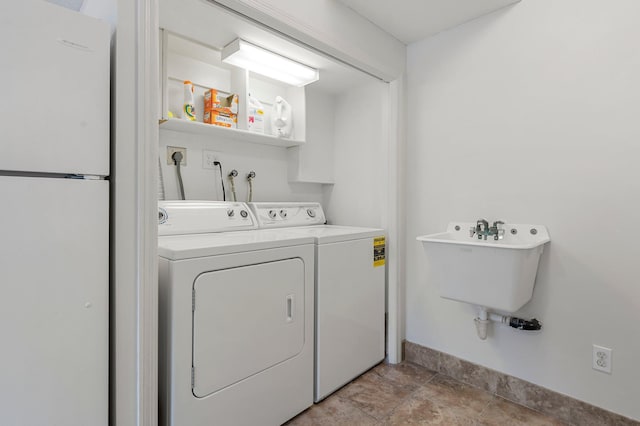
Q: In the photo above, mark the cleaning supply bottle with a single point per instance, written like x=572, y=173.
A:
x=188, y=107
x=281, y=118
x=255, y=115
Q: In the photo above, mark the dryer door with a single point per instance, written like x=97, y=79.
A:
x=245, y=320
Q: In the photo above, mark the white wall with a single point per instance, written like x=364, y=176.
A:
x=360, y=148
x=269, y=163
x=313, y=161
x=359, y=161
x=531, y=115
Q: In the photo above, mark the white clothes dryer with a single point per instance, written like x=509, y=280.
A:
x=236, y=318
x=349, y=290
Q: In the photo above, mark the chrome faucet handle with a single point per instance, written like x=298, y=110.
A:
x=498, y=231
x=472, y=231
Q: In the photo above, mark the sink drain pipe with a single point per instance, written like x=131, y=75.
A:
x=485, y=317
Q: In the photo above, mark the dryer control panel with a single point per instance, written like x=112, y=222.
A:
x=280, y=215
x=201, y=217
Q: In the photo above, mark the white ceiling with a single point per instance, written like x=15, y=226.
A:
x=413, y=20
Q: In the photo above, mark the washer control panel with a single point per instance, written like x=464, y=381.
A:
x=201, y=217
x=280, y=215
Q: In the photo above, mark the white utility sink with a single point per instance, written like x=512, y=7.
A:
x=497, y=274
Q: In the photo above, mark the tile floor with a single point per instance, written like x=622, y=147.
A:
x=407, y=394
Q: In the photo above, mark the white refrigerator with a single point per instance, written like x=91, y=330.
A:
x=54, y=216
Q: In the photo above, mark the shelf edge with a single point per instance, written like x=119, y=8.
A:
x=198, y=128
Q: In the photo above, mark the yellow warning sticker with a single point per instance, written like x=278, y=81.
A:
x=379, y=245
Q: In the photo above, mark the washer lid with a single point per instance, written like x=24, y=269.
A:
x=178, y=247
x=324, y=234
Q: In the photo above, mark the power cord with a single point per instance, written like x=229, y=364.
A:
x=219, y=164
x=177, y=159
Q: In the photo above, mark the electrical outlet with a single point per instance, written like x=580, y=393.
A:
x=171, y=150
x=602, y=358
x=208, y=158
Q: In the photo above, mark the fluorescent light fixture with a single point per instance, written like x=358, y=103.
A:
x=253, y=58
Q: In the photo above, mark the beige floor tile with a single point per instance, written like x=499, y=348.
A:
x=408, y=394
x=502, y=412
x=374, y=394
x=333, y=411
x=405, y=373
x=419, y=410
x=467, y=401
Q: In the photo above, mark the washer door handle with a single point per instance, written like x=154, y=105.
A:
x=289, y=303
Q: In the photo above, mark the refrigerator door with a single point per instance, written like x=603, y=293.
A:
x=54, y=301
x=54, y=114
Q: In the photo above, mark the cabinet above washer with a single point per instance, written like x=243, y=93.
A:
x=193, y=34
x=183, y=59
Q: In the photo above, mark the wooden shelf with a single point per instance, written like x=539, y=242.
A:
x=214, y=131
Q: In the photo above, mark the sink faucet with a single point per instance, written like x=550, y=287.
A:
x=482, y=227
x=496, y=230
x=482, y=230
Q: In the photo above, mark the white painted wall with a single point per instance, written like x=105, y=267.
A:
x=356, y=134
x=360, y=166
x=269, y=163
x=313, y=161
x=531, y=115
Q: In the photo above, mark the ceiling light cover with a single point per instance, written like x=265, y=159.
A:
x=249, y=56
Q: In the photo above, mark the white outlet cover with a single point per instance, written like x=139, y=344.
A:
x=602, y=358
x=208, y=157
x=171, y=150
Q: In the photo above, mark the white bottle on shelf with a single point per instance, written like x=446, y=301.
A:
x=255, y=115
x=281, y=118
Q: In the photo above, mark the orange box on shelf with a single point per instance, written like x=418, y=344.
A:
x=221, y=118
x=213, y=100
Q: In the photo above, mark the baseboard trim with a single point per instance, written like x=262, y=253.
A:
x=521, y=392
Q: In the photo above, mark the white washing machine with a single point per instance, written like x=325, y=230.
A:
x=236, y=318
x=349, y=290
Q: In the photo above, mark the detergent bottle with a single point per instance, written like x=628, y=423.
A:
x=281, y=118
x=255, y=115
x=188, y=107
